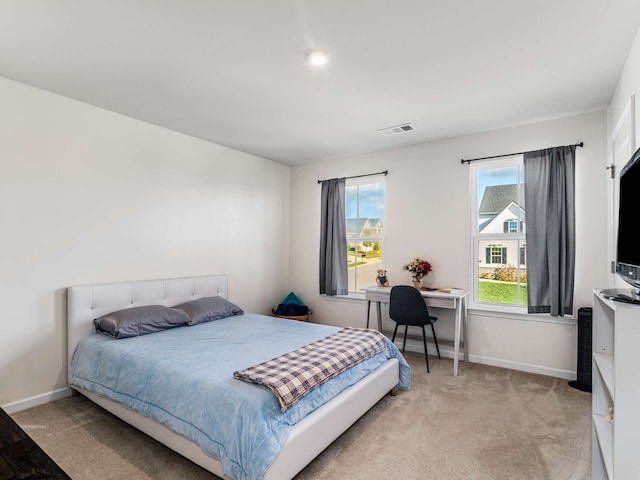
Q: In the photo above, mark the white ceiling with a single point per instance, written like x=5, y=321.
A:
x=234, y=71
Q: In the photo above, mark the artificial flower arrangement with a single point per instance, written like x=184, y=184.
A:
x=418, y=268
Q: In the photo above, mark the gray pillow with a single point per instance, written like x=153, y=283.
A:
x=208, y=308
x=135, y=321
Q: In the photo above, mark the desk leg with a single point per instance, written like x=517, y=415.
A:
x=368, y=311
x=456, y=339
x=379, y=317
x=465, y=338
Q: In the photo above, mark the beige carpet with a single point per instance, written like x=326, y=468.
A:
x=487, y=424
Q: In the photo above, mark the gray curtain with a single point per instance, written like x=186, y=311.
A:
x=549, y=193
x=333, y=239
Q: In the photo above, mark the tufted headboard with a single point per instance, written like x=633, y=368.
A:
x=86, y=302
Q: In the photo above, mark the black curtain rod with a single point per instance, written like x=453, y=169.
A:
x=463, y=161
x=365, y=175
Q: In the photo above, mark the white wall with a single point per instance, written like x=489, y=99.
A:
x=628, y=84
x=427, y=215
x=87, y=195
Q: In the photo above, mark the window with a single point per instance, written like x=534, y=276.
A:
x=512, y=226
x=498, y=235
x=364, y=203
x=496, y=254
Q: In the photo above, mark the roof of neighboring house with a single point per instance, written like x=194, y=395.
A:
x=355, y=226
x=498, y=197
x=482, y=226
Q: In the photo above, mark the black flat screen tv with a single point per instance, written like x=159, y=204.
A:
x=628, y=243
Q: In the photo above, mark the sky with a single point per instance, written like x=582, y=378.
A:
x=371, y=201
x=498, y=176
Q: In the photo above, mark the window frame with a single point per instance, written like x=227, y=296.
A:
x=358, y=181
x=494, y=239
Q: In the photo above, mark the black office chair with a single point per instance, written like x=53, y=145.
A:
x=407, y=307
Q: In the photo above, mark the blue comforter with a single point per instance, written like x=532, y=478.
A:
x=183, y=378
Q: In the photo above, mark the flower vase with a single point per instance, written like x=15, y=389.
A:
x=417, y=283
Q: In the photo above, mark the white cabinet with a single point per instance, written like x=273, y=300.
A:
x=616, y=385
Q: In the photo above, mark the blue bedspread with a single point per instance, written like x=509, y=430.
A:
x=183, y=378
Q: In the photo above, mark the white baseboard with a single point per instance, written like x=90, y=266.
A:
x=446, y=351
x=524, y=367
x=41, y=399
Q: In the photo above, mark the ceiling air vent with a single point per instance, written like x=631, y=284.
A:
x=405, y=127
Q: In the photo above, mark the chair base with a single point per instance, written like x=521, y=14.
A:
x=424, y=341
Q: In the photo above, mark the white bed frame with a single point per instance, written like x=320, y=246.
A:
x=307, y=439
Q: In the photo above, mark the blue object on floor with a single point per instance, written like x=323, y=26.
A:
x=292, y=298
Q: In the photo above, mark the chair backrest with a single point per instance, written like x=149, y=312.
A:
x=407, y=307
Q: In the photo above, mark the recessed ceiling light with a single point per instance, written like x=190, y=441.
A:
x=317, y=58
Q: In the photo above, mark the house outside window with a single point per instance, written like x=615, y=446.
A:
x=498, y=226
x=364, y=202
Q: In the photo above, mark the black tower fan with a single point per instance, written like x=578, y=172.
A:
x=583, y=382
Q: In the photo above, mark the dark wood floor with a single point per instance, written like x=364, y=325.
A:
x=21, y=458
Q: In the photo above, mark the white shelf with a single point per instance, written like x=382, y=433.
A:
x=615, y=339
x=604, y=432
x=604, y=362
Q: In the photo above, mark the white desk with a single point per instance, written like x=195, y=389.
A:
x=454, y=301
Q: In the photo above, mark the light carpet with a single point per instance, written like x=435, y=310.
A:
x=488, y=423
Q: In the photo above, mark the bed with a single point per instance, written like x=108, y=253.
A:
x=311, y=425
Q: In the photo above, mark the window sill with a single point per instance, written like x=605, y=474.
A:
x=517, y=314
x=351, y=298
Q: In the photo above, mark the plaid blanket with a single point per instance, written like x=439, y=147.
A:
x=292, y=375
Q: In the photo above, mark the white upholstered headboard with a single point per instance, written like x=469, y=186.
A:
x=86, y=302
